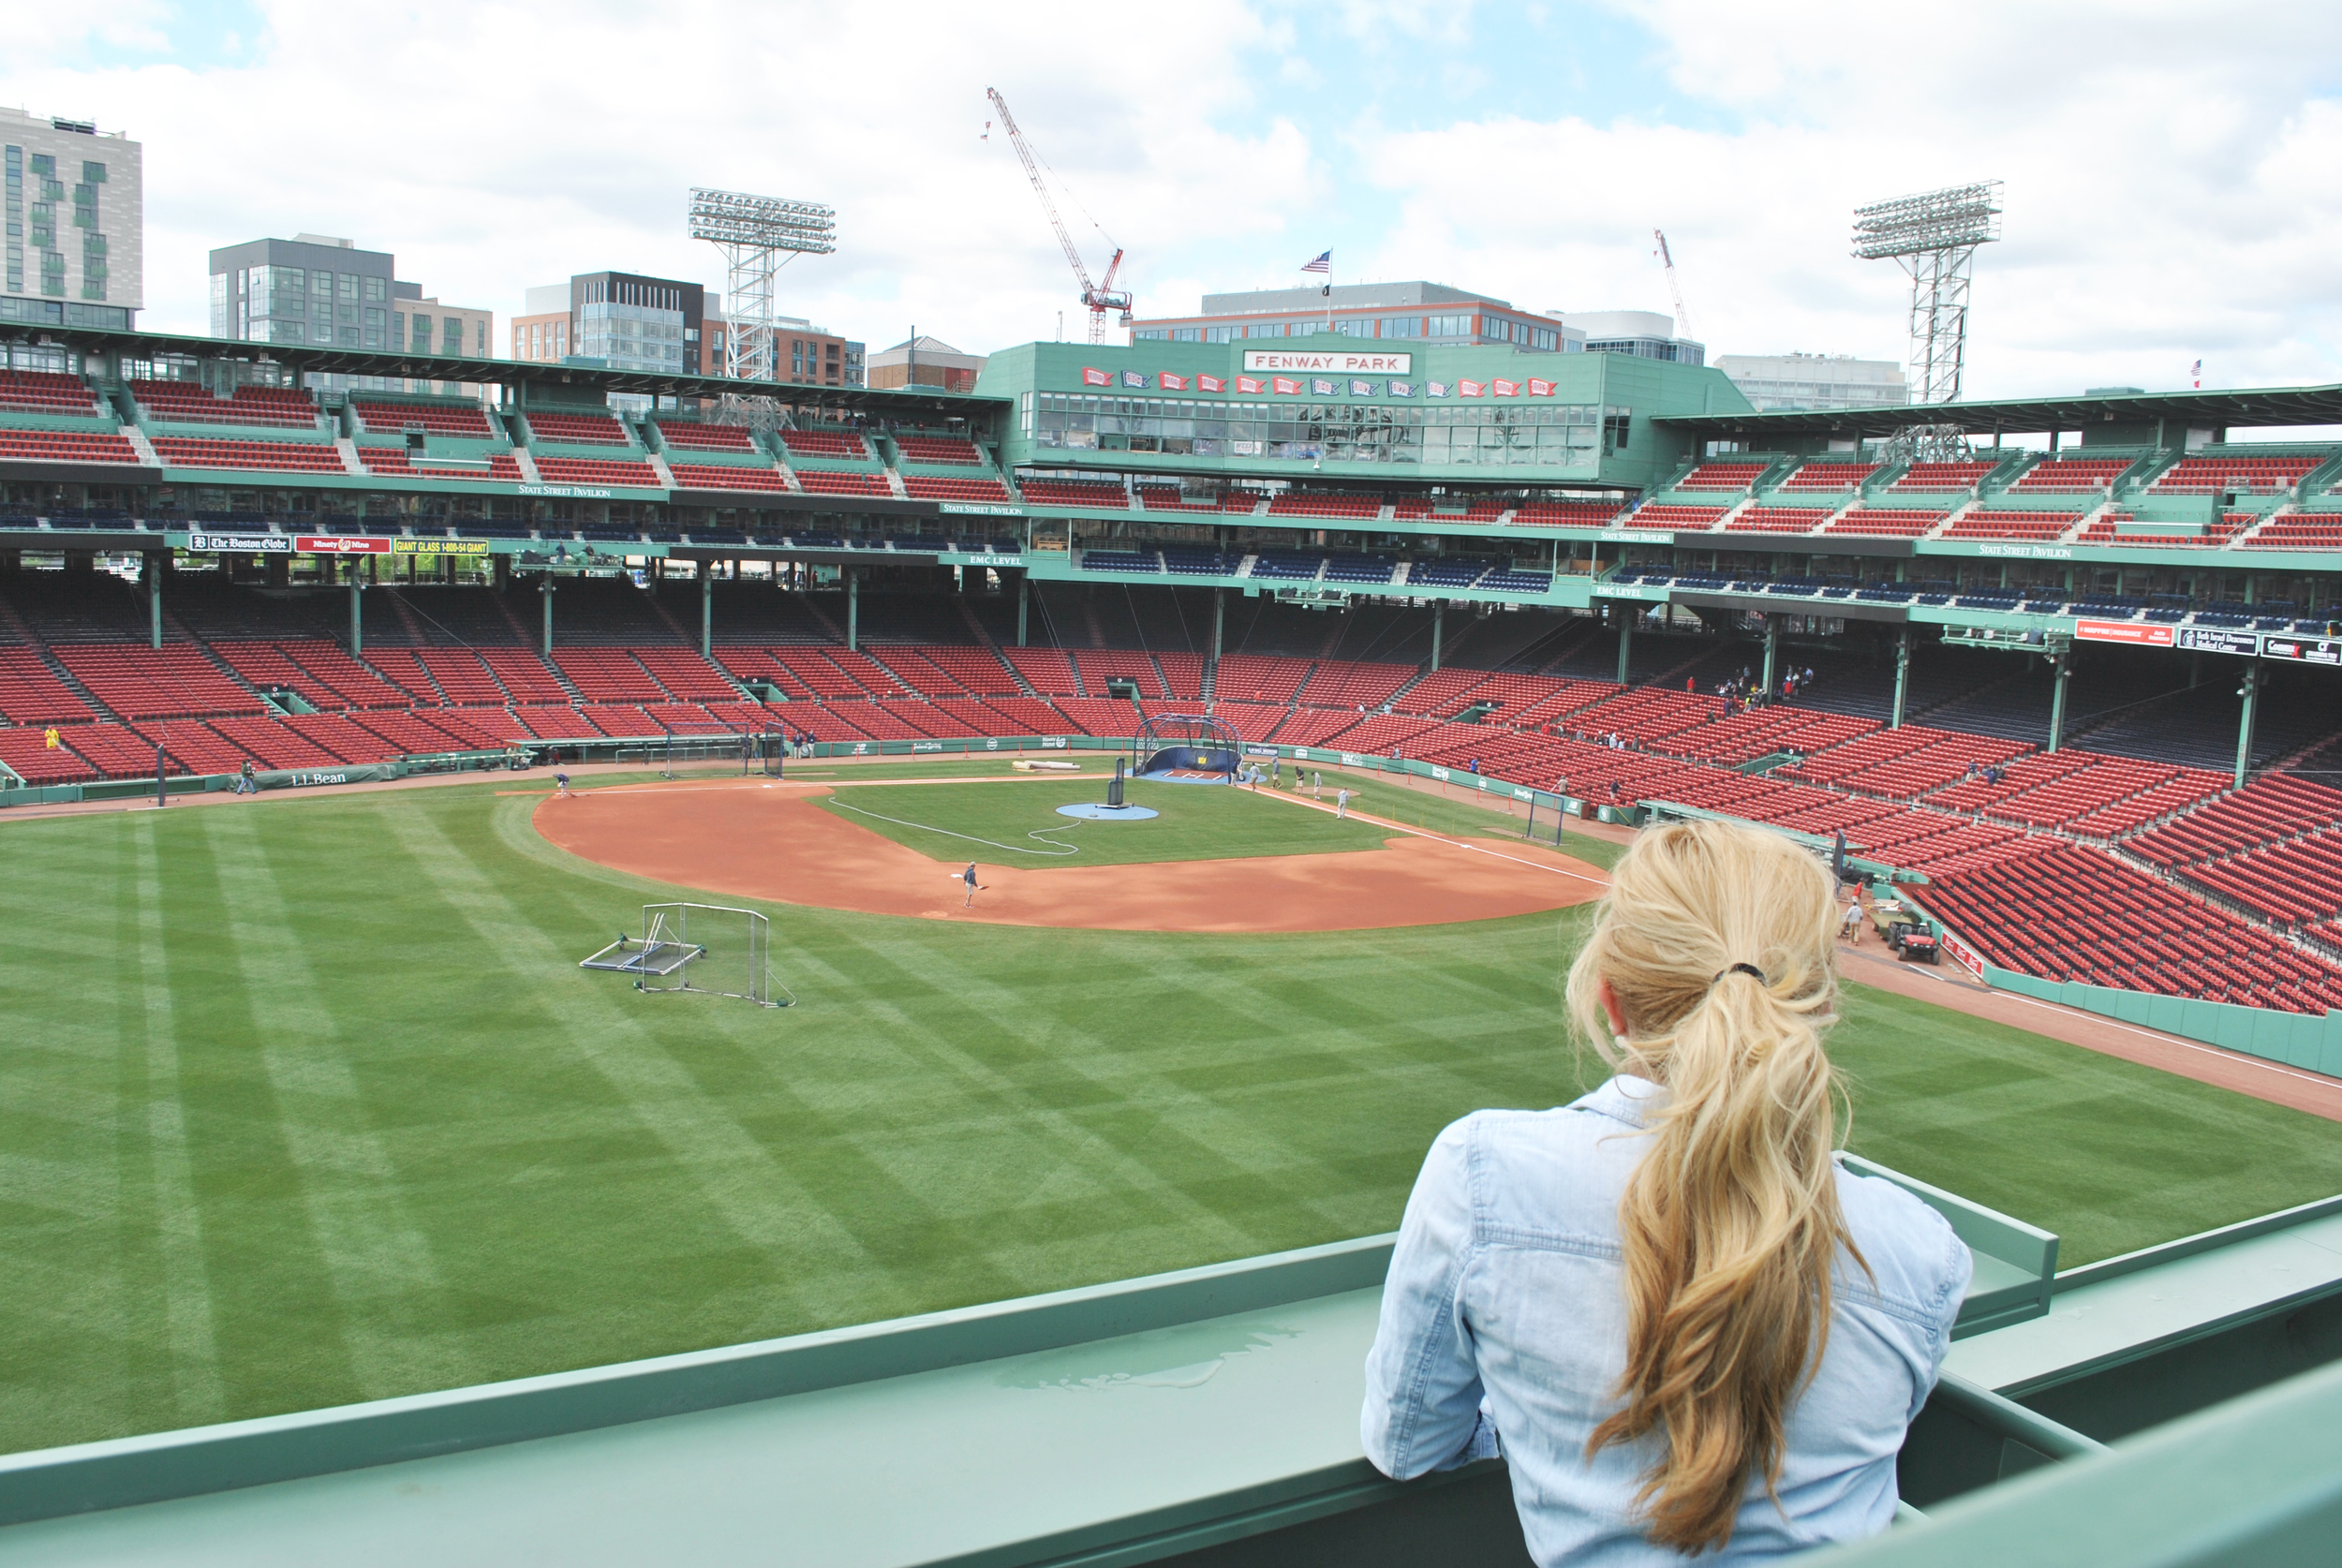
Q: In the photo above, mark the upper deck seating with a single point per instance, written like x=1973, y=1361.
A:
x=187, y=403
x=65, y=446
x=2073, y=473
x=692, y=436
x=734, y=475
x=465, y=421
x=1681, y=519
x=929, y=487
x=502, y=466
x=937, y=449
x=1830, y=476
x=842, y=482
x=189, y=451
x=1567, y=515
x=592, y=430
x=825, y=443
x=1238, y=500
x=1722, y=476
x=1170, y=497
x=1777, y=519
x=1290, y=505
x=1074, y=492
x=2198, y=476
x=1936, y=478
x=1886, y=522
x=597, y=471
x=41, y=391
x=2012, y=525
x=2300, y=530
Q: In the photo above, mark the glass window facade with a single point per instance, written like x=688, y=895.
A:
x=1541, y=435
x=15, y=169
x=631, y=336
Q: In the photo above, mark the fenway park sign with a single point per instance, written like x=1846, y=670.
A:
x=1329, y=364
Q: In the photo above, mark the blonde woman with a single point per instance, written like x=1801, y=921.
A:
x=1687, y=1330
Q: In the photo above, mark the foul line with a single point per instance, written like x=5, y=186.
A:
x=1055, y=850
x=1457, y=843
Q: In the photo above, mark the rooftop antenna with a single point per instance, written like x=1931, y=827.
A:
x=1933, y=237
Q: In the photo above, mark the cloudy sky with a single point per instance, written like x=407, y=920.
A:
x=2173, y=189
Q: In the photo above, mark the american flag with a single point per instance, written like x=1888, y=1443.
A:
x=1323, y=264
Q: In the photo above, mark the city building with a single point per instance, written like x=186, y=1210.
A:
x=926, y=362
x=76, y=223
x=1646, y=333
x=1427, y=313
x=815, y=356
x=1815, y=382
x=619, y=321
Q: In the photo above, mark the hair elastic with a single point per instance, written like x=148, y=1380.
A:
x=1741, y=969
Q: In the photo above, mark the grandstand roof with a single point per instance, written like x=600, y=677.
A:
x=319, y=359
x=2243, y=408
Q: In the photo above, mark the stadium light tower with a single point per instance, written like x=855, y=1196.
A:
x=759, y=235
x=1933, y=237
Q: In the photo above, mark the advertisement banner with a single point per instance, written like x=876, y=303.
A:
x=1329, y=364
x=339, y=544
x=308, y=778
x=439, y=547
x=2132, y=632
x=2219, y=639
x=2305, y=650
x=1963, y=954
x=242, y=544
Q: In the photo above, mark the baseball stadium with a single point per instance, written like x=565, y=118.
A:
x=597, y=980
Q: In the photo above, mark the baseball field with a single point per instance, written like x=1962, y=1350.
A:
x=306, y=1100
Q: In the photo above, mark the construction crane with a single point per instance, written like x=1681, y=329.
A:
x=1683, y=316
x=1099, y=297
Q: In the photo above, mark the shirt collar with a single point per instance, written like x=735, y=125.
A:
x=1624, y=1098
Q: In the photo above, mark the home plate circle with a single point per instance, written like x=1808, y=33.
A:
x=1092, y=811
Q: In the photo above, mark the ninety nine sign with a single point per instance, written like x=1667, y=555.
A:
x=2127, y=632
x=1329, y=364
x=242, y=544
x=339, y=544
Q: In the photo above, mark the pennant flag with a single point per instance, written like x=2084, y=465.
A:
x=1540, y=389
x=1508, y=389
x=1362, y=388
x=1402, y=389
x=2198, y=374
x=1321, y=387
x=1471, y=389
x=1092, y=377
x=1171, y=382
x=1286, y=386
x=1437, y=389
x=1323, y=264
x=1210, y=383
x=1134, y=379
x=1248, y=384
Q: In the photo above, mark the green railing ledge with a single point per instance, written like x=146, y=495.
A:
x=2254, y=1483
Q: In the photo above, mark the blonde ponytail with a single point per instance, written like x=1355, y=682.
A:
x=1716, y=944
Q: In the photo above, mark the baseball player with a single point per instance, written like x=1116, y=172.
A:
x=975, y=886
x=1341, y=804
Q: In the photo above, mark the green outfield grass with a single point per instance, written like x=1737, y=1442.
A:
x=307, y=1103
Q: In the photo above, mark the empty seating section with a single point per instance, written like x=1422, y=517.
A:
x=693, y=437
x=590, y=430
x=1777, y=519
x=1291, y=505
x=1346, y=685
x=2106, y=529
x=2300, y=530
x=185, y=451
x=930, y=487
x=839, y=444
x=1183, y=674
x=595, y=471
x=2066, y=913
x=607, y=676
x=2198, y=476
x=1722, y=476
x=685, y=674
x=1100, y=716
x=937, y=449
x=1098, y=559
x=26, y=753
x=1830, y=476
x=1050, y=671
x=737, y=476
x=1074, y=492
x=1885, y=522
x=39, y=392
x=502, y=466
x=842, y=482
x=65, y=446
x=1105, y=666
x=2039, y=526
x=1937, y=478
x=2073, y=473
x=463, y=420
x=185, y=403
x=1259, y=678
x=1240, y=500
x=1684, y=519
x=1567, y=515
x=1170, y=497
x=522, y=674
x=2274, y=847
x=31, y=693
x=175, y=681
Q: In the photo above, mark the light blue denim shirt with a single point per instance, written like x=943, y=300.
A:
x=1503, y=1322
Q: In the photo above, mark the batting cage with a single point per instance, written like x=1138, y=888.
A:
x=1185, y=748
x=708, y=948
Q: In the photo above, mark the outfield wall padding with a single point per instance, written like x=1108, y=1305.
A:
x=2303, y=1040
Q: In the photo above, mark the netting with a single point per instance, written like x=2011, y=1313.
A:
x=1184, y=743
x=714, y=741
x=709, y=948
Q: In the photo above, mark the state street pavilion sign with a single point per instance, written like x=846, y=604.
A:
x=1335, y=364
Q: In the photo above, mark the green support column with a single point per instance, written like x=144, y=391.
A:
x=357, y=615
x=707, y=609
x=1023, y=603
x=154, y=564
x=2064, y=663
x=853, y=610
x=1219, y=620
x=1625, y=637
x=544, y=592
x=1439, y=627
x=1903, y=675
x=1773, y=649
x=2250, y=691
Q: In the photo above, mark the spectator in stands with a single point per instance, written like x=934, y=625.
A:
x=1682, y=1323
x=1473, y=766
